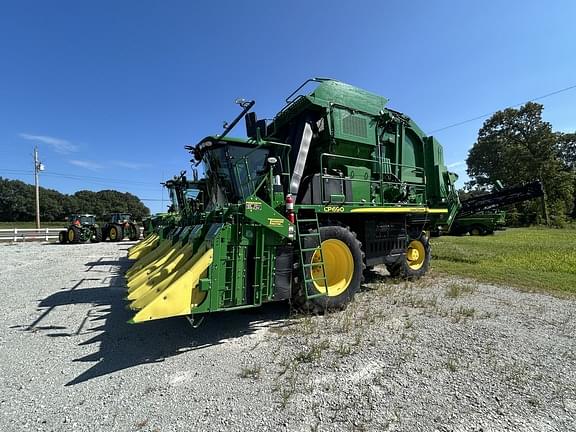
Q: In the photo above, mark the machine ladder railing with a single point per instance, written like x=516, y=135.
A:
x=310, y=228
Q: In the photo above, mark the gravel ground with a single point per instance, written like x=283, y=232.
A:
x=438, y=354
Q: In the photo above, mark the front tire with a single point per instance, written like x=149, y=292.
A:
x=415, y=262
x=62, y=237
x=343, y=263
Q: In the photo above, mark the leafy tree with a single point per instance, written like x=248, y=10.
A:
x=17, y=203
x=16, y=200
x=516, y=146
x=566, y=146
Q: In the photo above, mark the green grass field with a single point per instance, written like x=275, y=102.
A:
x=529, y=258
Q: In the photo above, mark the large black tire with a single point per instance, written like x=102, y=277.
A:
x=73, y=234
x=115, y=233
x=134, y=232
x=96, y=235
x=477, y=230
x=344, y=265
x=411, y=265
x=62, y=237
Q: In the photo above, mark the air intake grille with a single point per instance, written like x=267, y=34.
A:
x=355, y=125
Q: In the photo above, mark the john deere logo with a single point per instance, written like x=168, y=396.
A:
x=253, y=206
x=275, y=222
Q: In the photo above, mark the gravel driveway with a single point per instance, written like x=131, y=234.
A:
x=438, y=354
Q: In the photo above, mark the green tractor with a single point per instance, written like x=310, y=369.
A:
x=81, y=229
x=336, y=183
x=119, y=227
x=185, y=196
x=479, y=224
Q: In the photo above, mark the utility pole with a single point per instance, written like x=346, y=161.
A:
x=37, y=168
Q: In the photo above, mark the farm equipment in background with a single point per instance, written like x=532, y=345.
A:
x=186, y=197
x=120, y=226
x=480, y=215
x=479, y=224
x=82, y=228
x=296, y=211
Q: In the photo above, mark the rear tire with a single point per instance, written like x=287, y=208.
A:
x=135, y=234
x=477, y=230
x=344, y=265
x=415, y=262
x=73, y=234
x=115, y=233
x=96, y=235
x=62, y=237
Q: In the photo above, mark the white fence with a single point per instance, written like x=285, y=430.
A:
x=29, y=234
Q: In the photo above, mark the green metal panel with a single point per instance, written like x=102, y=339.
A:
x=262, y=213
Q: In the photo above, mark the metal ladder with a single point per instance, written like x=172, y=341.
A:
x=303, y=227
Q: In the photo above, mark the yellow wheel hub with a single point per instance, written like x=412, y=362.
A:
x=339, y=266
x=70, y=235
x=113, y=233
x=415, y=254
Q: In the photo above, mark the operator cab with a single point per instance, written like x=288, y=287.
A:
x=234, y=168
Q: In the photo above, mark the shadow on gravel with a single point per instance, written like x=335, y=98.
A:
x=119, y=345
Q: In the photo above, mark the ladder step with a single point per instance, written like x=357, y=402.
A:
x=311, y=249
x=316, y=279
x=316, y=264
x=310, y=235
x=307, y=220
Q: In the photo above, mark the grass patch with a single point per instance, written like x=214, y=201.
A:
x=251, y=372
x=455, y=290
x=313, y=353
x=530, y=258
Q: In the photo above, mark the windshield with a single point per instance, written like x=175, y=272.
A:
x=233, y=171
x=83, y=219
x=174, y=206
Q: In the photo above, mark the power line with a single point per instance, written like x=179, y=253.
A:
x=88, y=179
x=511, y=106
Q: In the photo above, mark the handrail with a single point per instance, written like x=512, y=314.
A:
x=419, y=173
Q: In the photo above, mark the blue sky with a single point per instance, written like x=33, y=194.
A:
x=112, y=91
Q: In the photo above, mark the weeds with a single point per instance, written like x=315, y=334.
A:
x=455, y=290
x=251, y=372
x=452, y=365
x=343, y=349
x=141, y=424
x=313, y=353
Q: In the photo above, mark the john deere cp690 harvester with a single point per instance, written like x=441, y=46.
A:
x=335, y=183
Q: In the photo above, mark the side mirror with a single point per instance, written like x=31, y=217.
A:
x=251, y=124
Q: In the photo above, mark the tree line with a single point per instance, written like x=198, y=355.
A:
x=517, y=146
x=17, y=203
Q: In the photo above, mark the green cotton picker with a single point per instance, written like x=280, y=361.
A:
x=335, y=183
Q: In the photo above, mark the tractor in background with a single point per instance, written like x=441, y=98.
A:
x=481, y=215
x=186, y=197
x=81, y=229
x=479, y=224
x=119, y=227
